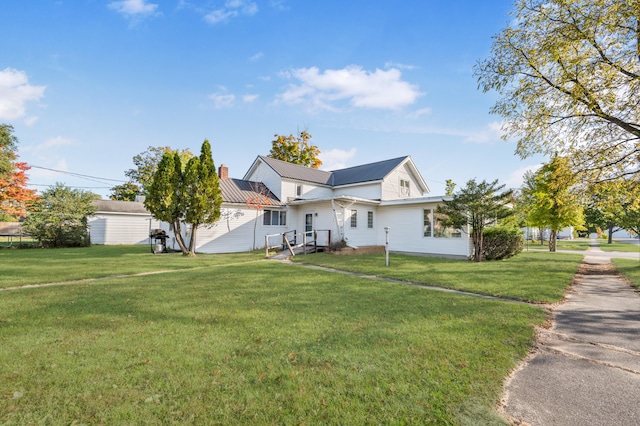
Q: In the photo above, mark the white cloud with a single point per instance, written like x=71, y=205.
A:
x=515, y=180
x=231, y=9
x=15, y=92
x=55, y=142
x=492, y=132
x=222, y=100
x=249, y=98
x=256, y=57
x=419, y=113
x=399, y=66
x=133, y=8
x=30, y=121
x=335, y=159
x=363, y=89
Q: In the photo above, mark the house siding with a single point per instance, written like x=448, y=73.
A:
x=234, y=232
x=370, y=191
x=406, y=233
x=265, y=174
x=120, y=228
x=391, y=184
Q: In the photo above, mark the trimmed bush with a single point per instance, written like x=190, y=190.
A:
x=501, y=242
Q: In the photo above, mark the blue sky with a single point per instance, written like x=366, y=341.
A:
x=88, y=84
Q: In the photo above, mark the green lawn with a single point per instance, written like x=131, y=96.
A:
x=630, y=269
x=35, y=266
x=530, y=276
x=248, y=343
x=582, y=244
x=618, y=246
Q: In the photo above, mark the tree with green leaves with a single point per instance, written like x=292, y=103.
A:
x=554, y=200
x=201, y=194
x=568, y=76
x=450, y=187
x=8, y=145
x=192, y=195
x=60, y=217
x=146, y=164
x=296, y=150
x=128, y=191
x=476, y=206
x=615, y=205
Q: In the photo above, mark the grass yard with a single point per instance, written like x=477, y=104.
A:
x=618, y=246
x=36, y=266
x=630, y=269
x=251, y=343
x=530, y=276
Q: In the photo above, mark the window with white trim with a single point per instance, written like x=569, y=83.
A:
x=298, y=190
x=427, y=229
x=354, y=218
x=404, y=187
x=370, y=220
x=274, y=218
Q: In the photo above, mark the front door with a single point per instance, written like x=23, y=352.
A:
x=308, y=222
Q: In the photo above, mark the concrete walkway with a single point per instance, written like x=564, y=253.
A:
x=585, y=369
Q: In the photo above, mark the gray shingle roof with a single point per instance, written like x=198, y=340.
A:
x=365, y=172
x=297, y=172
x=357, y=174
x=240, y=191
x=116, y=206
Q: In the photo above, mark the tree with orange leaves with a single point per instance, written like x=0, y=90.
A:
x=15, y=197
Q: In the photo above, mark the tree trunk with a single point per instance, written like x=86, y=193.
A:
x=178, y=234
x=552, y=240
x=192, y=240
x=477, y=246
x=541, y=230
x=610, y=232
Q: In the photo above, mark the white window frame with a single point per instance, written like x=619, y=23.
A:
x=430, y=218
x=269, y=216
x=370, y=219
x=405, y=187
x=354, y=218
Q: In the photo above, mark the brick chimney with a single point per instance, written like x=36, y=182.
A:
x=223, y=172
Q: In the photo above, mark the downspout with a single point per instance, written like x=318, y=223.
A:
x=335, y=215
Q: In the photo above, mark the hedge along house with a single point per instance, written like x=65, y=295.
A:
x=353, y=205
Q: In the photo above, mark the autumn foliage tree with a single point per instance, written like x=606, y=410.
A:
x=296, y=150
x=15, y=197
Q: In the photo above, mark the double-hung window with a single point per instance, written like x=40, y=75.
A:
x=354, y=218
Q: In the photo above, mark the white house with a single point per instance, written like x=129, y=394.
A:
x=355, y=204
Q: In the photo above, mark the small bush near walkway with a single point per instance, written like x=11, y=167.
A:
x=501, y=242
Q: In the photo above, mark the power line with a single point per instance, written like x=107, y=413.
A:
x=74, y=187
x=87, y=177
